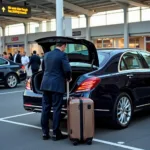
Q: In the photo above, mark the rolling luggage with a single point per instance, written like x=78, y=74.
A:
x=80, y=119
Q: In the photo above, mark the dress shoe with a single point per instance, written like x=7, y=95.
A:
x=59, y=137
x=46, y=137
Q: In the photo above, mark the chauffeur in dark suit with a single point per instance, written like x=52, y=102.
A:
x=17, y=57
x=35, y=62
x=57, y=70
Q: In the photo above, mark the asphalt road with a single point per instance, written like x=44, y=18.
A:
x=20, y=130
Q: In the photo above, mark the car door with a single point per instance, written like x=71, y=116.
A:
x=133, y=69
x=3, y=68
x=146, y=59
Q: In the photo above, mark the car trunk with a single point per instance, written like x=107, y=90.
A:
x=76, y=74
x=81, y=62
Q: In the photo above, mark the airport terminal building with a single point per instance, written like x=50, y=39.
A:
x=106, y=29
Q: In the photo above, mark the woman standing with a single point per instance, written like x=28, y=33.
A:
x=10, y=56
x=5, y=55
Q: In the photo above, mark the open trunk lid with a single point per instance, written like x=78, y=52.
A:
x=88, y=56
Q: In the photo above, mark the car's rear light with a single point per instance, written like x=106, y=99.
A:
x=28, y=84
x=88, y=84
x=27, y=105
x=23, y=67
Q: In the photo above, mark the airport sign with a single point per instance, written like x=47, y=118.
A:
x=15, y=11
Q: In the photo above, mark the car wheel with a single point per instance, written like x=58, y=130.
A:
x=122, y=112
x=11, y=81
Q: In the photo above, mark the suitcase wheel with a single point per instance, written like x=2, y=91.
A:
x=75, y=143
x=89, y=142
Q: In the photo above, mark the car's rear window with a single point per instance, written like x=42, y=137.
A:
x=81, y=49
x=74, y=48
x=103, y=58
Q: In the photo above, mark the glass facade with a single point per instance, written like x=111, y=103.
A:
x=10, y=48
x=134, y=42
x=148, y=44
x=34, y=46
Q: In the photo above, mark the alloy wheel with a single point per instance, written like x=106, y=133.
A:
x=12, y=81
x=124, y=110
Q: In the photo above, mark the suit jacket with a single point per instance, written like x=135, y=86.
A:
x=35, y=62
x=56, y=69
x=18, y=58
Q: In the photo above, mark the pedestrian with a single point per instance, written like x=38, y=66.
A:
x=42, y=56
x=25, y=62
x=57, y=70
x=5, y=55
x=34, y=62
x=17, y=57
x=10, y=56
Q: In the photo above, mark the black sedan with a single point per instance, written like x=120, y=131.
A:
x=117, y=80
x=11, y=73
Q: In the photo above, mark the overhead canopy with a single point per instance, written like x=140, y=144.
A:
x=45, y=9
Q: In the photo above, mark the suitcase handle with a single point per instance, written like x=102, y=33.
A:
x=67, y=91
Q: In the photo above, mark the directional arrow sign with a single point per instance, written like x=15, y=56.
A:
x=15, y=11
x=3, y=9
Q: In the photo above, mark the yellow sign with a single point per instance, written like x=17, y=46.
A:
x=15, y=11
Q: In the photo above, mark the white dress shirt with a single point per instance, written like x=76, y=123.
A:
x=24, y=60
x=15, y=56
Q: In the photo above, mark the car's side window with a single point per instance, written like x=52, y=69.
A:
x=130, y=60
x=146, y=57
x=122, y=65
x=3, y=62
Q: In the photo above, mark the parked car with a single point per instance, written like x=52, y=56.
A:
x=11, y=73
x=117, y=80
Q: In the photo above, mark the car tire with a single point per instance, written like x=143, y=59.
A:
x=11, y=81
x=122, y=112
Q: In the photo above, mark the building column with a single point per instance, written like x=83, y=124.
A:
x=126, y=27
x=113, y=43
x=116, y=43
x=102, y=43
x=3, y=39
x=68, y=26
x=1, y=51
x=40, y=27
x=59, y=17
x=26, y=39
x=88, y=31
x=140, y=14
x=48, y=26
x=145, y=48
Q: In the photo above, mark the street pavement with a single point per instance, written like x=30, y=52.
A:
x=21, y=130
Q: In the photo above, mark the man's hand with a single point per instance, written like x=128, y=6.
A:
x=69, y=80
